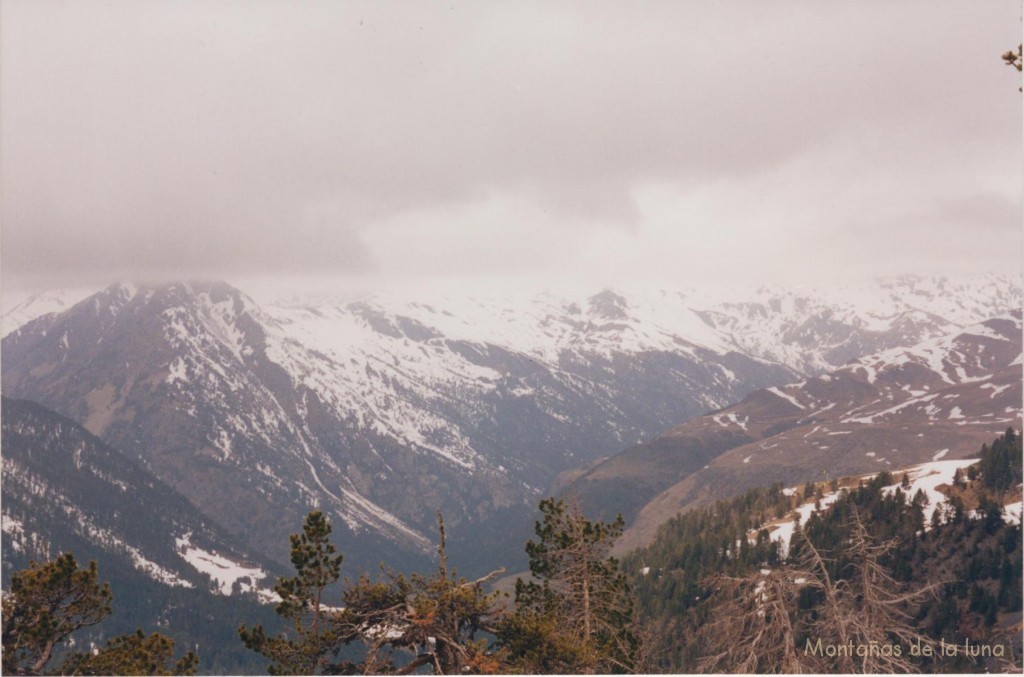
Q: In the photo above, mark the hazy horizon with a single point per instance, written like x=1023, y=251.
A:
x=274, y=291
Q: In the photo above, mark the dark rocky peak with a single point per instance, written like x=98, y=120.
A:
x=378, y=320
x=608, y=305
x=1008, y=326
x=198, y=292
x=136, y=329
x=159, y=297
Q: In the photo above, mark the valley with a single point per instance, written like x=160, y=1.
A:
x=216, y=422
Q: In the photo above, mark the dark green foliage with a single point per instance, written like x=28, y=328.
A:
x=50, y=601
x=972, y=553
x=1014, y=59
x=311, y=642
x=397, y=624
x=577, y=614
x=435, y=619
x=316, y=567
x=808, y=490
x=689, y=548
x=1000, y=465
x=46, y=603
x=132, y=655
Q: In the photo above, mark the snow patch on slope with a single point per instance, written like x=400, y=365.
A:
x=789, y=398
x=222, y=571
x=926, y=477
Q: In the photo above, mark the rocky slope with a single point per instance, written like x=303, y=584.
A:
x=64, y=489
x=169, y=567
x=940, y=399
x=257, y=417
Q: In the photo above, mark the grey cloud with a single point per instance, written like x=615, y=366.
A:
x=986, y=212
x=245, y=137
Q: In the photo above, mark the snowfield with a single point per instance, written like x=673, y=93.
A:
x=223, y=571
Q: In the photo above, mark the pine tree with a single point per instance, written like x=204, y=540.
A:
x=869, y=607
x=755, y=626
x=134, y=654
x=437, y=618
x=1014, y=60
x=434, y=619
x=577, y=615
x=1000, y=465
x=50, y=601
x=46, y=603
x=316, y=636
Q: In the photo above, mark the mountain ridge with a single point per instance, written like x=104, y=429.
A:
x=470, y=405
x=940, y=399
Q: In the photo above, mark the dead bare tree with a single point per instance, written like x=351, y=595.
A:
x=862, y=621
x=866, y=617
x=755, y=628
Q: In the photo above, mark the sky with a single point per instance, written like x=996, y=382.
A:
x=396, y=144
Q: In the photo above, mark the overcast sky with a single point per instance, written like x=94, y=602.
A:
x=669, y=142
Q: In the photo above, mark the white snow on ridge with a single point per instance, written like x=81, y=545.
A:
x=789, y=398
x=985, y=332
x=742, y=424
x=15, y=530
x=82, y=524
x=373, y=513
x=783, y=533
x=870, y=418
x=751, y=321
x=941, y=354
x=20, y=310
x=177, y=372
x=995, y=389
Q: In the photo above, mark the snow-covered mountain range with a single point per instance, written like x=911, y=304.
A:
x=384, y=409
x=940, y=399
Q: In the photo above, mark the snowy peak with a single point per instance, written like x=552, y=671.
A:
x=295, y=406
x=809, y=330
x=177, y=375
x=962, y=357
x=815, y=332
x=21, y=311
x=470, y=401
